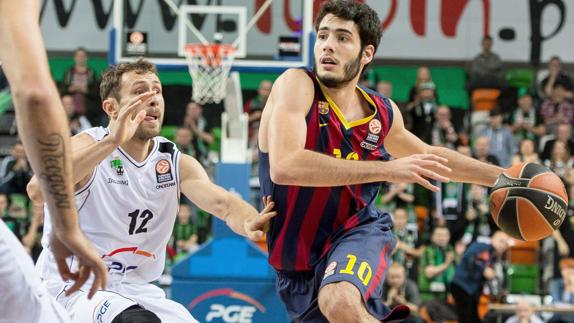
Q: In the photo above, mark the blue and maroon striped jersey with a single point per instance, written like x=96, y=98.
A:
x=310, y=219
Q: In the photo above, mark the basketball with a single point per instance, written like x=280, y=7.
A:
x=528, y=202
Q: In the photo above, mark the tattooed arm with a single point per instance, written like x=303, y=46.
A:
x=43, y=128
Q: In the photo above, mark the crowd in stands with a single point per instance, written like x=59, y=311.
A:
x=450, y=259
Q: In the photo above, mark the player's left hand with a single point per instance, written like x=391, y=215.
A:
x=256, y=227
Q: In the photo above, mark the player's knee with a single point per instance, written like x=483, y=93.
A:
x=136, y=314
x=339, y=301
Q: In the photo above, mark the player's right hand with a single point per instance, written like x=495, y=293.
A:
x=74, y=242
x=420, y=169
x=129, y=118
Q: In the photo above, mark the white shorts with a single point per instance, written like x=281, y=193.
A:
x=105, y=305
x=23, y=298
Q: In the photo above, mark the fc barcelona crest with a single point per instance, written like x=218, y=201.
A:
x=323, y=107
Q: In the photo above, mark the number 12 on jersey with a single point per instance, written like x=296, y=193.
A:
x=145, y=216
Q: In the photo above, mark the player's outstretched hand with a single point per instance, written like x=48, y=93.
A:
x=256, y=227
x=129, y=118
x=75, y=243
x=419, y=168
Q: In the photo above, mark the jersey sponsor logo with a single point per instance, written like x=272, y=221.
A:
x=323, y=107
x=368, y=146
x=375, y=126
x=166, y=185
x=117, y=266
x=163, y=171
x=101, y=310
x=119, y=182
x=117, y=166
x=226, y=308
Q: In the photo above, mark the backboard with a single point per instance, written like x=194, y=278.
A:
x=279, y=39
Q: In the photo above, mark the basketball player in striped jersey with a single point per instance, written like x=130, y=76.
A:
x=323, y=155
x=43, y=128
x=128, y=183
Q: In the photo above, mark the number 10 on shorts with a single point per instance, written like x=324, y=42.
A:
x=364, y=272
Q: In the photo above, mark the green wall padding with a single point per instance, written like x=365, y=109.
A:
x=450, y=81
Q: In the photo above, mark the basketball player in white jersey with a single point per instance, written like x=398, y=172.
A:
x=43, y=128
x=127, y=193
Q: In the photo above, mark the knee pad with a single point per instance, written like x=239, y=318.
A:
x=136, y=314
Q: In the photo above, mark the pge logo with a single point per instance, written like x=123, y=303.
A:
x=101, y=311
x=117, y=266
x=229, y=313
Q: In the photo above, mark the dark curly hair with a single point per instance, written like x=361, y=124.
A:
x=365, y=18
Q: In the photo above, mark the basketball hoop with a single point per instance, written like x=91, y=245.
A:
x=209, y=67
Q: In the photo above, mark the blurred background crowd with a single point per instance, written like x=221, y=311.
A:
x=495, y=113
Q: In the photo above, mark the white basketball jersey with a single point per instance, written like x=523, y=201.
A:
x=127, y=209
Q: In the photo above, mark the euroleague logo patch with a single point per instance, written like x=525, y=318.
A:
x=163, y=171
x=375, y=126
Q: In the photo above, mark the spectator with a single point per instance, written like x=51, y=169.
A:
x=444, y=133
x=501, y=140
x=254, y=107
x=195, y=121
x=398, y=289
x=479, y=223
x=557, y=247
x=474, y=269
x=423, y=76
x=565, y=295
x=556, y=75
x=183, y=140
x=78, y=123
x=16, y=225
x=397, y=195
x=15, y=171
x=450, y=204
x=184, y=232
x=32, y=241
x=524, y=313
x=422, y=111
x=437, y=266
x=16, y=217
x=385, y=88
x=81, y=82
x=407, y=251
x=526, y=153
x=525, y=123
x=562, y=133
x=482, y=151
x=560, y=161
x=556, y=109
x=486, y=68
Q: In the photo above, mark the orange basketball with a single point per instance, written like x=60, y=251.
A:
x=528, y=202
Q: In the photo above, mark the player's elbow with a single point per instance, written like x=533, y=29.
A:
x=281, y=175
x=32, y=97
x=34, y=191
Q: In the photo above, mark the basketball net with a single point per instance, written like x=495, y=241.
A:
x=209, y=67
